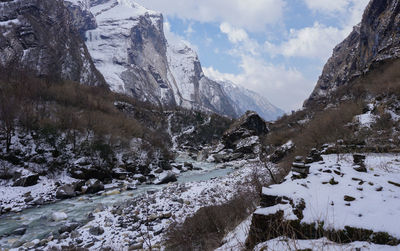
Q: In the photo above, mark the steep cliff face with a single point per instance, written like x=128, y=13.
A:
x=192, y=89
x=374, y=40
x=129, y=48
x=40, y=36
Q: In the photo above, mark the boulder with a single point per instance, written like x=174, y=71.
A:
x=250, y=124
x=19, y=231
x=188, y=165
x=59, y=216
x=27, y=180
x=68, y=228
x=65, y=191
x=96, y=230
x=166, y=178
x=93, y=186
x=87, y=173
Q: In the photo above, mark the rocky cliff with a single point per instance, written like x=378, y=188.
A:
x=374, y=40
x=129, y=47
x=41, y=36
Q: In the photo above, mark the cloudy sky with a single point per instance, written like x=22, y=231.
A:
x=274, y=47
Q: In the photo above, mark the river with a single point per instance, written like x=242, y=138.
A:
x=38, y=221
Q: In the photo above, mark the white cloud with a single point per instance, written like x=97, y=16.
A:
x=327, y=6
x=252, y=15
x=317, y=41
x=234, y=35
x=284, y=87
x=310, y=42
x=189, y=30
x=243, y=44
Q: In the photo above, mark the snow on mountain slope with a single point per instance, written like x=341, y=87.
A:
x=183, y=62
x=130, y=49
x=248, y=100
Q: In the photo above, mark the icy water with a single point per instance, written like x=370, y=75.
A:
x=38, y=221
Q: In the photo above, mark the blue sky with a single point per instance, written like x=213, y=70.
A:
x=274, y=47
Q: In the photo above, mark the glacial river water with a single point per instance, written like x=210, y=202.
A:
x=38, y=222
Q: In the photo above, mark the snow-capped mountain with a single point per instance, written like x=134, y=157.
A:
x=117, y=42
x=129, y=48
x=246, y=100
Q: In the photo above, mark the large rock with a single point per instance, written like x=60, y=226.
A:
x=87, y=173
x=65, y=191
x=94, y=186
x=250, y=124
x=27, y=180
x=166, y=178
x=97, y=230
x=59, y=216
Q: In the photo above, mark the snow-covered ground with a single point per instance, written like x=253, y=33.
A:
x=236, y=240
x=282, y=243
x=17, y=198
x=337, y=195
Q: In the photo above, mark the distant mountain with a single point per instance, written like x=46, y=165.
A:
x=246, y=100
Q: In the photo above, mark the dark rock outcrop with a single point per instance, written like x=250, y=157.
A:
x=93, y=186
x=65, y=192
x=26, y=181
x=166, y=178
x=374, y=40
x=250, y=124
x=40, y=38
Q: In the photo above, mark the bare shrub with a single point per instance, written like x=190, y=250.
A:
x=207, y=227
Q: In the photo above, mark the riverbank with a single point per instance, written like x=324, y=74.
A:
x=141, y=222
x=124, y=219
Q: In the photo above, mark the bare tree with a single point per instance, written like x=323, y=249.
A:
x=8, y=114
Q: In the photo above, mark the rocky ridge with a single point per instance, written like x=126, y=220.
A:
x=375, y=40
x=40, y=37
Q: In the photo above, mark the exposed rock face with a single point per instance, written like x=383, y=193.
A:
x=242, y=139
x=39, y=36
x=192, y=89
x=131, y=51
x=250, y=124
x=374, y=40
